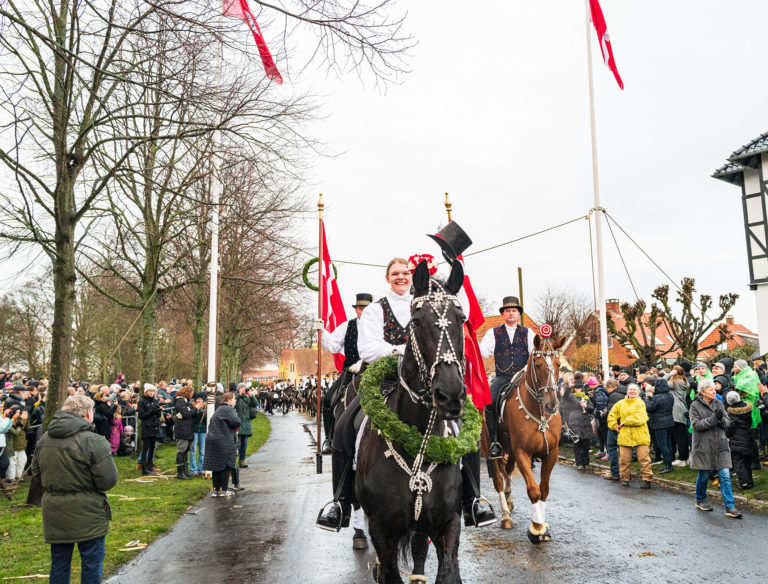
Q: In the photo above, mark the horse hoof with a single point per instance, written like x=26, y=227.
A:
x=506, y=524
x=540, y=537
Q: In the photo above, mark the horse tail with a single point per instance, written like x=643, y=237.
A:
x=404, y=547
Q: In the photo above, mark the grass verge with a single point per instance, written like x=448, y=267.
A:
x=684, y=474
x=140, y=511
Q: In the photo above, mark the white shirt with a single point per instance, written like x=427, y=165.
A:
x=334, y=342
x=370, y=329
x=488, y=344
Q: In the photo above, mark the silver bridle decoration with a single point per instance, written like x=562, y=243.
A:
x=537, y=391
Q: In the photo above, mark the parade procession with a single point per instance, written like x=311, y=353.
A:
x=344, y=292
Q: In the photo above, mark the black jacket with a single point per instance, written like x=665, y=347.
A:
x=184, y=419
x=221, y=441
x=149, y=414
x=615, y=396
x=659, y=407
x=740, y=432
x=103, y=415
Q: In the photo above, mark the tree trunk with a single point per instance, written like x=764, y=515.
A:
x=148, y=337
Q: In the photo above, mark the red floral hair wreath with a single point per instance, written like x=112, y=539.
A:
x=417, y=258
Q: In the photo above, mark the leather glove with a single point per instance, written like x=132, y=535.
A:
x=355, y=367
x=399, y=350
x=719, y=414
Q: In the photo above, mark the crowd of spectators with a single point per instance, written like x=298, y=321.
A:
x=162, y=412
x=714, y=420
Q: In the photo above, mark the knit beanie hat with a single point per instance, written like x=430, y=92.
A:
x=732, y=397
x=591, y=382
x=741, y=364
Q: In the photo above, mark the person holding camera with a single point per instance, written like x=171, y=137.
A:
x=710, y=449
x=184, y=428
x=149, y=412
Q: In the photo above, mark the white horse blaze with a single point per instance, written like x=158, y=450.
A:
x=538, y=512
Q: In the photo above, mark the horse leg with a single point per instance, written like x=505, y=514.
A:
x=385, y=570
x=419, y=551
x=510, y=467
x=448, y=553
x=500, y=482
x=538, y=530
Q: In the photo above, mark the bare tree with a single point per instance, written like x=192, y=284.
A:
x=639, y=332
x=693, y=323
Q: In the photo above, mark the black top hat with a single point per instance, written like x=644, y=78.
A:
x=453, y=241
x=510, y=302
x=362, y=300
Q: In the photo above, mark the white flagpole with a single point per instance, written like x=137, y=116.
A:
x=598, y=210
x=213, y=298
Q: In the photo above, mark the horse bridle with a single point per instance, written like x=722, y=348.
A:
x=438, y=300
x=537, y=391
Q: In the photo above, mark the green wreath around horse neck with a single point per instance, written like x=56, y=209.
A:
x=443, y=450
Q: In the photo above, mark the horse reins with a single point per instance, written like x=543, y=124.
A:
x=538, y=391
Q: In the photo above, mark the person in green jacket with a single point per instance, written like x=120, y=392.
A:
x=74, y=466
x=243, y=408
x=746, y=381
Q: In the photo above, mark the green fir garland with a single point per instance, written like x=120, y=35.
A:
x=443, y=450
x=305, y=273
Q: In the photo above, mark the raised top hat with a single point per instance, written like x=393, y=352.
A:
x=362, y=300
x=510, y=302
x=453, y=241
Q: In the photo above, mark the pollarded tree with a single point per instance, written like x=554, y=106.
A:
x=693, y=324
x=639, y=332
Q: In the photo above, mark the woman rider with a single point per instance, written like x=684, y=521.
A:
x=382, y=331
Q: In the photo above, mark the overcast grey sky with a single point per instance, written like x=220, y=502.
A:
x=496, y=112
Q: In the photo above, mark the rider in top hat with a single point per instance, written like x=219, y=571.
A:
x=511, y=345
x=342, y=340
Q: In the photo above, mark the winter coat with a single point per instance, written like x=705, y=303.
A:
x=579, y=419
x=601, y=402
x=149, y=414
x=103, y=416
x=220, y=443
x=115, y=434
x=659, y=407
x=746, y=382
x=5, y=425
x=740, y=431
x=710, y=449
x=184, y=419
x=19, y=432
x=679, y=408
x=243, y=405
x=632, y=415
x=201, y=420
x=725, y=383
x=75, y=468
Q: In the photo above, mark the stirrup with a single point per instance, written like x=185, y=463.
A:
x=472, y=511
x=490, y=450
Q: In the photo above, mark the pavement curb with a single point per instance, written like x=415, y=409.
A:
x=599, y=469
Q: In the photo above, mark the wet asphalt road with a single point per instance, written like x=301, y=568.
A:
x=602, y=533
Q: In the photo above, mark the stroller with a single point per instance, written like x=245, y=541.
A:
x=127, y=442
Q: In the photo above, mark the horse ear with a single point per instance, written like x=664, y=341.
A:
x=558, y=343
x=537, y=342
x=456, y=279
x=421, y=279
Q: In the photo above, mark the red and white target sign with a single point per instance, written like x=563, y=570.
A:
x=545, y=330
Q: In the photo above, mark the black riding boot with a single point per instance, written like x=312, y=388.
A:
x=491, y=422
x=328, y=427
x=336, y=514
x=477, y=510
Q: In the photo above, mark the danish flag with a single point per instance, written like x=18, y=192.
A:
x=332, y=308
x=474, y=376
x=239, y=9
x=605, y=40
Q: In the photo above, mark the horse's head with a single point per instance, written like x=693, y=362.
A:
x=435, y=349
x=543, y=371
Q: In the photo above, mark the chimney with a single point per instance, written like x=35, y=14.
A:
x=612, y=305
x=729, y=319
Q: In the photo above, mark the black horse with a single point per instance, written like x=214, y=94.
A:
x=431, y=391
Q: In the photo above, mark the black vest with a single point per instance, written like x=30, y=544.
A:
x=351, y=356
x=394, y=334
x=510, y=357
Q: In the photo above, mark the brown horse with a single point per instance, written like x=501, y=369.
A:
x=531, y=426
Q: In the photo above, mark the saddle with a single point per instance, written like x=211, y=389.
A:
x=351, y=421
x=506, y=392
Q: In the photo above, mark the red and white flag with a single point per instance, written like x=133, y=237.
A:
x=605, y=40
x=474, y=377
x=239, y=9
x=332, y=308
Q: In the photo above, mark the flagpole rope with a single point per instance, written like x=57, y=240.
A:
x=580, y=218
x=623, y=263
x=592, y=261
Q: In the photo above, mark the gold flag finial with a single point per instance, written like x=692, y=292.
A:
x=448, y=206
x=320, y=205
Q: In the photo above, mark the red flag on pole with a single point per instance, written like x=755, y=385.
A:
x=598, y=20
x=332, y=312
x=239, y=9
x=474, y=377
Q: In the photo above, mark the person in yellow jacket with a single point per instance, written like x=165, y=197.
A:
x=629, y=418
